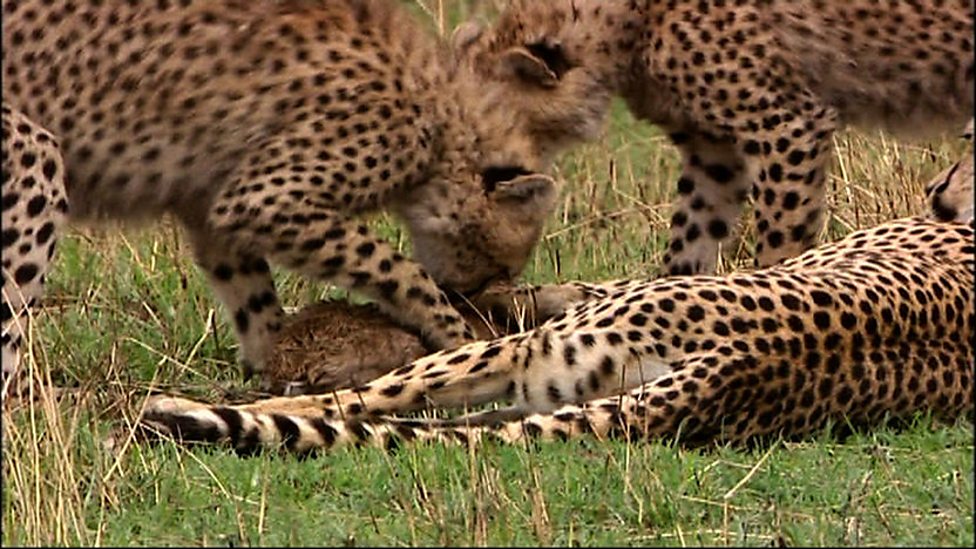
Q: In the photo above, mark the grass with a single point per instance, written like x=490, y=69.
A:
x=129, y=311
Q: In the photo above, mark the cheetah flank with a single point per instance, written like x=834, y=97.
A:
x=879, y=323
x=750, y=91
x=265, y=128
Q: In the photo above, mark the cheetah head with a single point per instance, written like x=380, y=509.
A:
x=473, y=232
x=950, y=194
x=556, y=83
x=481, y=211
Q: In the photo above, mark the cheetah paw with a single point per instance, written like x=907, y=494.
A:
x=162, y=405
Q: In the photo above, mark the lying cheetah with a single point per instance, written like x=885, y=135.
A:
x=750, y=91
x=878, y=323
x=266, y=128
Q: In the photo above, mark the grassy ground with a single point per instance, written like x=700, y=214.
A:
x=129, y=311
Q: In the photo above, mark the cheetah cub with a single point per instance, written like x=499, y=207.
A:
x=267, y=129
x=749, y=91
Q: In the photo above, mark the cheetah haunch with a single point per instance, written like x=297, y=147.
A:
x=266, y=128
x=880, y=323
x=750, y=91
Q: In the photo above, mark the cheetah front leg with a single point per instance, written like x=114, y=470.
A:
x=243, y=283
x=299, y=211
x=325, y=244
x=724, y=402
x=538, y=370
x=479, y=372
x=348, y=254
x=714, y=184
x=702, y=400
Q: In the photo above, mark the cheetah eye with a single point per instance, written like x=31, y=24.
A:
x=494, y=175
x=553, y=57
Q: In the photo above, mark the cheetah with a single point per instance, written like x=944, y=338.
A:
x=266, y=129
x=878, y=324
x=749, y=91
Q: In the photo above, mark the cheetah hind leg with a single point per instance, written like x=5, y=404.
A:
x=34, y=210
x=791, y=153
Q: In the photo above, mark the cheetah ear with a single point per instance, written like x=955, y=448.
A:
x=533, y=196
x=465, y=35
x=520, y=63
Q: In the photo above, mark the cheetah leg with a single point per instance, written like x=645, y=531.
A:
x=302, y=222
x=346, y=253
x=791, y=152
x=243, y=283
x=34, y=210
x=714, y=184
x=472, y=374
x=370, y=266
x=706, y=399
x=467, y=376
x=530, y=306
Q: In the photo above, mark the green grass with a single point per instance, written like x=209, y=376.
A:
x=129, y=311
x=880, y=488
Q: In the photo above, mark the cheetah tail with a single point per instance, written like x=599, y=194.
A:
x=250, y=432
x=470, y=375
x=633, y=416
